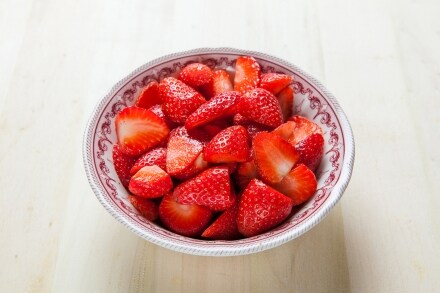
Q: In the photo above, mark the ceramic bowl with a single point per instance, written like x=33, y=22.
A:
x=312, y=100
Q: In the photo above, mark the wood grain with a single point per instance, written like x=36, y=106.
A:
x=380, y=58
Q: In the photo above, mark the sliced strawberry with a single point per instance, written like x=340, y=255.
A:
x=261, y=208
x=260, y=106
x=245, y=173
x=211, y=188
x=185, y=219
x=220, y=83
x=297, y=128
x=252, y=127
x=247, y=73
x=179, y=99
x=285, y=98
x=275, y=82
x=150, y=182
x=196, y=75
x=310, y=150
x=149, y=96
x=218, y=107
x=225, y=226
x=123, y=164
x=274, y=156
x=195, y=168
x=229, y=145
x=182, y=150
x=146, y=207
x=157, y=109
x=139, y=130
x=300, y=184
x=156, y=156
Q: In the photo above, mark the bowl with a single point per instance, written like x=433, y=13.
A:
x=312, y=100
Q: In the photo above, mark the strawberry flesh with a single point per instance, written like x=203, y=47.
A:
x=220, y=83
x=150, y=182
x=286, y=98
x=149, y=96
x=156, y=156
x=275, y=82
x=247, y=73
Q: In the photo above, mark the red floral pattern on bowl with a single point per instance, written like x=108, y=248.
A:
x=312, y=100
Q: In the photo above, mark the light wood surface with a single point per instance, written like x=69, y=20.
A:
x=380, y=58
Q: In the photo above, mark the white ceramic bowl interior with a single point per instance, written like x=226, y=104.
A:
x=312, y=100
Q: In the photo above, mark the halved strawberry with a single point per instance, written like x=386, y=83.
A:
x=225, y=226
x=247, y=73
x=298, y=128
x=145, y=206
x=218, y=107
x=245, y=173
x=211, y=188
x=252, y=127
x=196, y=75
x=185, y=219
x=285, y=98
x=261, y=208
x=150, y=182
x=220, y=83
x=300, y=184
x=149, y=96
x=275, y=82
x=139, y=130
x=195, y=168
x=229, y=145
x=179, y=99
x=156, y=156
x=261, y=106
x=182, y=150
x=310, y=150
x=123, y=164
x=157, y=109
x=274, y=156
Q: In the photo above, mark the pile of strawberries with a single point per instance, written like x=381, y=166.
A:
x=215, y=155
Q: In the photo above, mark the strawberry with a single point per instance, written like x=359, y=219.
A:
x=196, y=75
x=310, y=150
x=195, y=168
x=285, y=98
x=220, y=83
x=149, y=96
x=211, y=188
x=179, y=99
x=187, y=220
x=146, y=207
x=150, y=182
x=247, y=74
x=156, y=156
x=260, y=106
x=218, y=107
x=123, y=164
x=225, y=226
x=300, y=184
x=252, y=127
x=157, y=109
x=275, y=82
x=245, y=173
x=261, y=208
x=274, y=156
x=139, y=130
x=297, y=128
x=229, y=145
x=182, y=150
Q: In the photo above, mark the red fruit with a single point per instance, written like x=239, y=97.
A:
x=260, y=106
x=225, y=226
x=179, y=99
x=185, y=219
x=274, y=156
x=157, y=109
x=275, y=82
x=211, y=188
x=149, y=96
x=218, y=107
x=229, y=145
x=196, y=75
x=297, y=129
x=156, y=156
x=245, y=173
x=310, y=150
x=182, y=150
x=146, y=207
x=247, y=74
x=261, y=208
x=300, y=184
x=195, y=168
x=139, y=130
x=150, y=182
x=252, y=127
x=123, y=164
x=220, y=83
x=285, y=98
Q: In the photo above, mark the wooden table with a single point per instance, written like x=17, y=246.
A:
x=380, y=58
